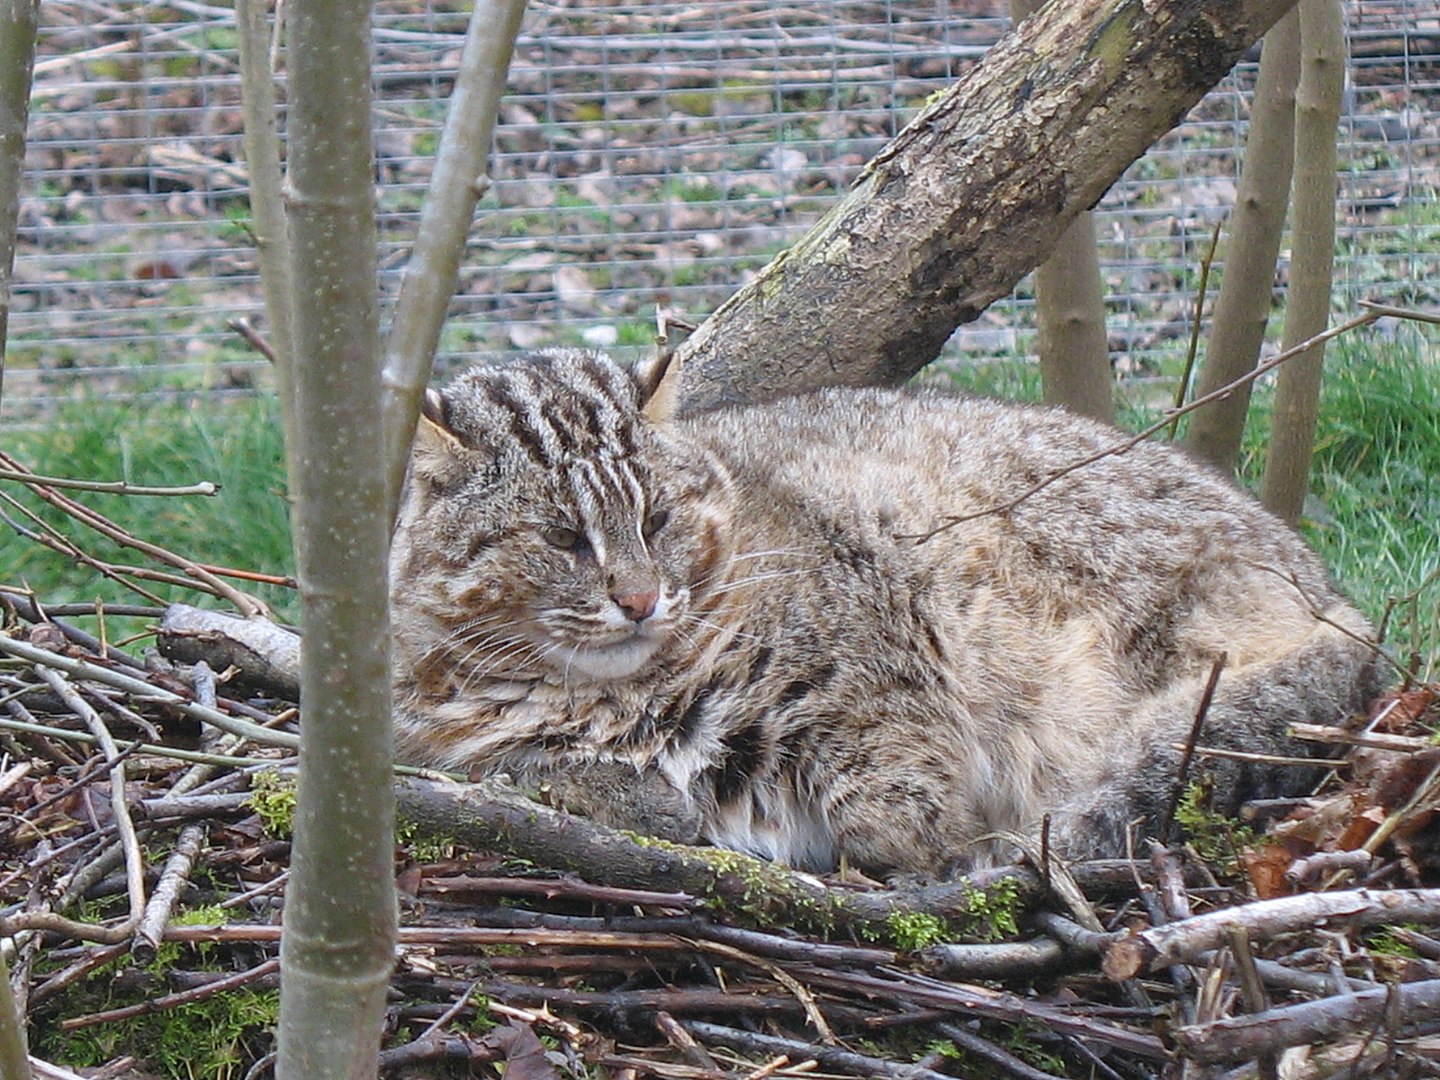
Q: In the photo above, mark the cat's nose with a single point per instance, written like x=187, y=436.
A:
x=638, y=605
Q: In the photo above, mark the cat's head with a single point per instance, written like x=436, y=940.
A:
x=554, y=518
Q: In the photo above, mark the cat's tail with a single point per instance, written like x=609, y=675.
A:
x=1327, y=678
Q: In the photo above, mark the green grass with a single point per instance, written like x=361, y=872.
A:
x=1372, y=515
x=245, y=526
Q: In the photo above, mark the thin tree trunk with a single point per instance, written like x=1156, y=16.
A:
x=1248, y=277
x=339, y=929
x=1297, y=392
x=18, y=21
x=457, y=182
x=1070, y=309
x=1073, y=346
x=970, y=196
x=267, y=208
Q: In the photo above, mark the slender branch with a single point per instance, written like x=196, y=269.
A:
x=456, y=184
x=18, y=22
x=1183, y=772
x=109, y=487
x=243, y=601
x=267, y=209
x=1188, y=371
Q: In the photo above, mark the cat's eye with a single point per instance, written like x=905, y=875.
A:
x=654, y=523
x=558, y=536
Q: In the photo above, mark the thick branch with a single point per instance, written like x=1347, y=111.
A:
x=970, y=196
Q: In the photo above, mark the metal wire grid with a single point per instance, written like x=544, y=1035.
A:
x=649, y=153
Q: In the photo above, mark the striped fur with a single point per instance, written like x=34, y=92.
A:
x=722, y=627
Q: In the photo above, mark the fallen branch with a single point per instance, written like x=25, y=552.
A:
x=1183, y=942
x=1242, y=1038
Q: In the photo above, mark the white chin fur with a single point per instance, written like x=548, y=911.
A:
x=606, y=662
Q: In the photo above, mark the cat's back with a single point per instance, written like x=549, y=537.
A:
x=1029, y=477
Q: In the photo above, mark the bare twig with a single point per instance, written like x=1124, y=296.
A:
x=1194, y=346
x=108, y=487
x=243, y=601
x=1182, y=774
x=174, y=1001
x=828, y=1056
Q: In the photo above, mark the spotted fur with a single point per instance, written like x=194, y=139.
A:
x=723, y=626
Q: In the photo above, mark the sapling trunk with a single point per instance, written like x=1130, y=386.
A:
x=1297, y=390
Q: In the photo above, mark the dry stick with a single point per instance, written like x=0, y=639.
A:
x=676, y=1035
x=1372, y=740
x=1194, y=347
x=1244, y=1038
x=130, y=842
x=162, y=901
x=1252, y=991
x=1182, y=773
x=828, y=1056
x=802, y=995
x=996, y=1055
x=1372, y=313
x=1186, y=941
x=82, y=669
x=910, y=988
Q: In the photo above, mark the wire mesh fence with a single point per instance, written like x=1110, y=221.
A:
x=648, y=153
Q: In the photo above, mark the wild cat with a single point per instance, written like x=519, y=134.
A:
x=728, y=627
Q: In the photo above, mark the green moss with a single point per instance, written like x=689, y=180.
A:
x=272, y=797
x=993, y=913
x=213, y=1038
x=916, y=930
x=1215, y=837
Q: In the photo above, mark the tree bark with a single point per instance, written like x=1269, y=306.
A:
x=1073, y=346
x=18, y=20
x=340, y=917
x=970, y=196
x=1312, y=265
x=1247, y=281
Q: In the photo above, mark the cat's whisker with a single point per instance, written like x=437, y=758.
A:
x=721, y=628
x=754, y=579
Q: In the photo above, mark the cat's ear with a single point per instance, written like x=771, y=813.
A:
x=438, y=455
x=659, y=382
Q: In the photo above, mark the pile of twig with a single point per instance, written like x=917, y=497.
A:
x=137, y=789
